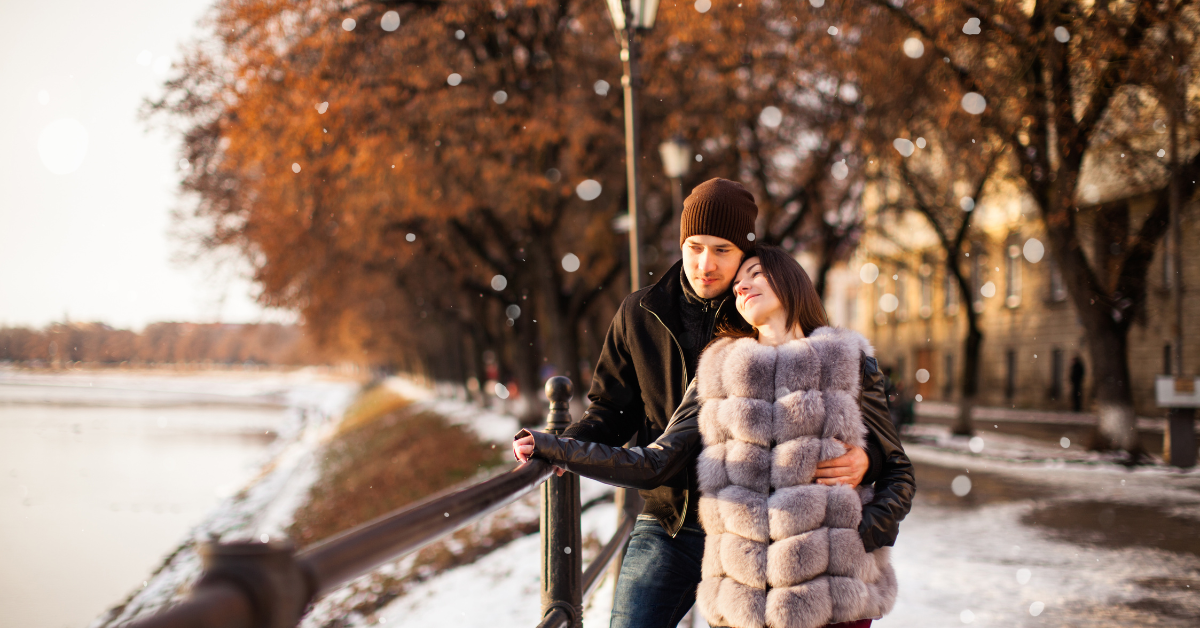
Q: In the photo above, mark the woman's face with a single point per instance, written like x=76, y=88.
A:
x=755, y=300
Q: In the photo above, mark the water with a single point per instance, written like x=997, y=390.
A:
x=102, y=474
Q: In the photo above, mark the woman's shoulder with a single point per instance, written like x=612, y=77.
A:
x=846, y=340
x=711, y=372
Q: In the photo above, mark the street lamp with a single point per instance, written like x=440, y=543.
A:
x=642, y=13
x=676, y=158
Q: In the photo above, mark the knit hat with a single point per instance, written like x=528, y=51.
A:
x=721, y=208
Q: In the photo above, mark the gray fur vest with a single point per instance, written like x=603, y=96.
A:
x=781, y=550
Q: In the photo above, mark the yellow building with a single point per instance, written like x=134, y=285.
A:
x=914, y=315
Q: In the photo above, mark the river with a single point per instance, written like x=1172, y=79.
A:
x=103, y=472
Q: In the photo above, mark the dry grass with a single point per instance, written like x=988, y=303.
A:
x=386, y=455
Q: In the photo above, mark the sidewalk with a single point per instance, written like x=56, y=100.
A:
x=983, y=414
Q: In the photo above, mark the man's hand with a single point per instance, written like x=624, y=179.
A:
x=848, y=468
x=523, y=451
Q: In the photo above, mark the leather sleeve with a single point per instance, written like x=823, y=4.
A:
x=615, y=413
x=641, y=468
x=895, y=483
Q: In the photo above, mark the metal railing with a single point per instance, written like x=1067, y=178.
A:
x=270, y=585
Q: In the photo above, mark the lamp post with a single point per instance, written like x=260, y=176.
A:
x=676, y=158
x=641, y=14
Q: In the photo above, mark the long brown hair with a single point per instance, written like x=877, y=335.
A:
x=794, y=289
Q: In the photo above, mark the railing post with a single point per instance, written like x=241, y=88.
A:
x=561, y=539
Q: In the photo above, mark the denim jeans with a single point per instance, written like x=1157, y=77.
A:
x=659, y=575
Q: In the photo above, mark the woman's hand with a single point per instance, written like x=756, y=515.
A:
x=523, y=451
x=848, y=468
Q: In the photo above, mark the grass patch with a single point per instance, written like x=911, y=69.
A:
x=386, y=454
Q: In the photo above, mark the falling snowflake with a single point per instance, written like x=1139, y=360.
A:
x=322, y=107
x=703, y=5
x=501, y=392
x=966, y=203
x=888, y=303
x=961, y=485
x=914, y=48
x=1064, y=442
x=988, y=290
x=832, y=30
x=1023, y=576
x=296, y=168
x=1034, y=250
x=570, y=262
x=1062, y=35
x=499, y=283
x=771, y=117
x=588, y=190
x=840, y=170
x=412, y=237
x=975, y=444
x=966, y=617
x=390, y=21
x=922, y=375
x=750, y=237
x=920, y=142
x=348, y=24
x=601, y=87
x=868, y=273
x=513, y=311
x=500, y=97
x=903, y=146
x=817, y=3
x=1036, y=608
x=459, y=34
x=454, y=79
x=1162, y=153
x=974, y=103
x=184, y=164
x=972, y=26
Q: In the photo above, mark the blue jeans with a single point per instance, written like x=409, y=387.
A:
x=659, y=575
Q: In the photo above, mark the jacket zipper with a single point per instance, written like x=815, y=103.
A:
x=683, y=362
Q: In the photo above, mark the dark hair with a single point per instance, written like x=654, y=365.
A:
x=791, y=286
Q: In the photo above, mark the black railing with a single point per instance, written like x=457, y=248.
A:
x=270, y=585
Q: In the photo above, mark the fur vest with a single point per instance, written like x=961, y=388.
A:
x=781, y=550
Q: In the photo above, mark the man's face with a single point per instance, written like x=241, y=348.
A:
x=710, y=264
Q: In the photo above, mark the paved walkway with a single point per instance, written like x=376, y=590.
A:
x=983, y=414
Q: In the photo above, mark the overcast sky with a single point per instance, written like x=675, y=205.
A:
x=90, y=239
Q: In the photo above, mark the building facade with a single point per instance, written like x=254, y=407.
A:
x=913, y=311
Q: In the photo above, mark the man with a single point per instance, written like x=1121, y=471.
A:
x=649, y=357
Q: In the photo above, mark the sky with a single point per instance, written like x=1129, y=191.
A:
x=86, y=187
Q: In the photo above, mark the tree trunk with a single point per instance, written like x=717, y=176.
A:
x=1117, y=424
x=972, y=344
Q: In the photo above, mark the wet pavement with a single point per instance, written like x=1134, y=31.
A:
x=1040, y=535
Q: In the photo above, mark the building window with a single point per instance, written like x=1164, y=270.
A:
x=902, y=295
x=1058, y=288
x=948, y=378
x=950, y=298
x=1012, y=276
x=1010, y=374
x=1056, y=374
x=926, y=274
x=1166, y=360
x=978, y=277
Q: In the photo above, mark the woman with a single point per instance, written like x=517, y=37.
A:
x=780, y=549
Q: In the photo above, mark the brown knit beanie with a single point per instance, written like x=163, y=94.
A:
x=721, y=208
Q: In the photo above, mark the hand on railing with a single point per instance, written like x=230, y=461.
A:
x=523, y=448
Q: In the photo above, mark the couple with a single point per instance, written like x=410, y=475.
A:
x=773, y=479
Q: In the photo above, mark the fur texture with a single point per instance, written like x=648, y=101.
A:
x=782, y=551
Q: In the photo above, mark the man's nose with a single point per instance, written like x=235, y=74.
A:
x=707, y=262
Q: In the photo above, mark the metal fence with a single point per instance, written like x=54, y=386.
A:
x=270, y=585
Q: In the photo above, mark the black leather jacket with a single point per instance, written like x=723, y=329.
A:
x=675, y=452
